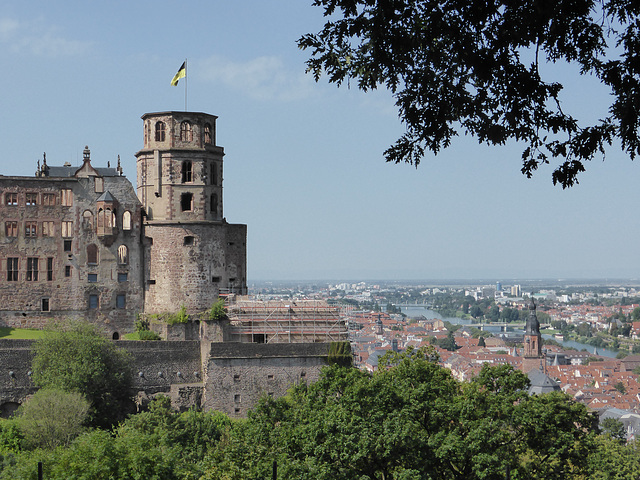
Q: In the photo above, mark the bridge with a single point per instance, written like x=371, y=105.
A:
x=504, y=326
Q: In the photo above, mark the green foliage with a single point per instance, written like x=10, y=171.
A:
x=613, y=428
x=340, y=353
x=148, y=335
x=171, y=318
x=75, y=357
x=481, y=342
x=448, y=343
x=143, y=331
x=614, y=460
x=52, y=417
x=217, y=310
x=157, y=444
x=490, y=70
x=410, y=420
x=11, y=438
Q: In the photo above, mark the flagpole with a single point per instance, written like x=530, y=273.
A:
x=185, y=84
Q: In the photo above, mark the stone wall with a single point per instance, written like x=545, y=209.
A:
x=238, y=374
x=229, y=377
x=189, y=264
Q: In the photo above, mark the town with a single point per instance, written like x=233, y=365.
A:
x=470, y=325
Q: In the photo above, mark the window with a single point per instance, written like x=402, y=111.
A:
x=214, y=174
x=121, y=301
x=186, y=133
x=67, y=245
x=49, y=269
x=123, y=255
x=67, y=229
x=30, y=229
x=106, y=221
x=92, y=277
x=44, y=305
x=32, y=269
x=93, y=301
x=48, y=199
x=67, y=197
x=122, y=277
x=236, y=398
x=12, y=269
x=207, y=133
x=31, y=198
x=67, y=270
x=87, y=219
x=159, y=131
x=186, y=172
x=126, y=220
x=186, y=202
x=188, y=240
x=11, y=199
x=92, y=254
x=48, y=229
x=215, y=279
x=98, y=184
x=214, y=204
x=11, y=229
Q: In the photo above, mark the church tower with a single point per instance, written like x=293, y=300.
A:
x=192, y=254
x=532, y=358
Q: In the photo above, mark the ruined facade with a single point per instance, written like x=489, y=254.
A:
x=79, y=242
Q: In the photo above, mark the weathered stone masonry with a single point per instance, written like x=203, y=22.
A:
x=229, y=377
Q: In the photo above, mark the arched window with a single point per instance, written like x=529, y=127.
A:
x=207, y=133
x=159, y=131
x=123, y=255
x=186, y=172
x=92, y=254
x=186, y=134
x=87, y=219
x=126, y=220
x=214, y=204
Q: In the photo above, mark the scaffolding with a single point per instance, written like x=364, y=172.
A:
x=278, y=321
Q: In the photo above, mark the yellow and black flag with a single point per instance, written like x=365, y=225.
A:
x=182, y=72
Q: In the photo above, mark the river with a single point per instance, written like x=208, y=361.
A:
x=417, y=311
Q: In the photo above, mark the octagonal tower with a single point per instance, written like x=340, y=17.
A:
x=192, y=253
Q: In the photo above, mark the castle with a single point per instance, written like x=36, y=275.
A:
x=79, y=242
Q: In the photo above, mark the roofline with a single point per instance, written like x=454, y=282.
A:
x=176, y=112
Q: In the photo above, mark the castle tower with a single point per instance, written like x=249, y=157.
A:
x=192, y=253
x=532, y=358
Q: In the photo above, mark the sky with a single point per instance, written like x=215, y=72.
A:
x=304, y=166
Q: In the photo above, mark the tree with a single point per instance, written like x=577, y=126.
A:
x=489, y=69
x=76, y=357
x=410, y=419
x=481, y=342
x=52, y=417
x=448, y=343
x=613, y=428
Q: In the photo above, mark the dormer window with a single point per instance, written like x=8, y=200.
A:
x=186, y=133
x=160, y=129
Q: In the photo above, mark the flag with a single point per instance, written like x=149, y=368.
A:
x=182, y=72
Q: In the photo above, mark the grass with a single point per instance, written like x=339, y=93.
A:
x=21, y=333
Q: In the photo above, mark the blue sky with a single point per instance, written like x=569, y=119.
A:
x=303, y=166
